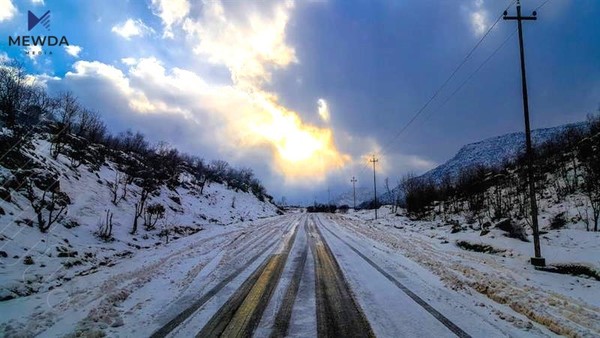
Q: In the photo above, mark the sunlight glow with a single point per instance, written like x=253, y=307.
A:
x=301, y=150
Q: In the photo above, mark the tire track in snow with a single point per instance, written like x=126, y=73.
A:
x=271, y=229
x=240, y=315
x=338, y=313
x=175, y=322
x=561, y=315
x=284, y=313
x=436, y=314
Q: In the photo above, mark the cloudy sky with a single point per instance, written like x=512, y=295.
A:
x=304, y=91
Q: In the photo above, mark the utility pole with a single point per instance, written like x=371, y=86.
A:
x=353, y=180
x=374, y=160
x=538, y=260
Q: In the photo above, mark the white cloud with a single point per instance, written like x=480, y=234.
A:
x=228, y=118
x=33, y=52
x=479, y=22
x=113, y=77
x=131, y=28
x=252, y=45
x=38, y=2
x=129, y=61
x=73, y=50
x=323, y=110
x=7, y=10
x=237, y=120
x=4, y=57
x=43, y=79
x=478, y=17
x=249, y=48
x=171, y=12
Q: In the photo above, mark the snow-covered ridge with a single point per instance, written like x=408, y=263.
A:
x=493, y=151
x=347, y=198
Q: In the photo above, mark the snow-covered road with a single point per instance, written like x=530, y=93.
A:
x=325, y=279
x=298, y=275
x=142, y=292
x=400, y=298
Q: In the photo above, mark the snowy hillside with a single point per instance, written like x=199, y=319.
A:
x=36, y=261
x=492, y=152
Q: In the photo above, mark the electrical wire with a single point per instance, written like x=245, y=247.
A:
x=439, y=90
x=471, y=75
x=540, y=6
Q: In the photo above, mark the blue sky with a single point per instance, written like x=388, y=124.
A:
x=304, y=91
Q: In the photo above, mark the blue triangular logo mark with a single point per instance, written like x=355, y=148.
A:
x=33, y=20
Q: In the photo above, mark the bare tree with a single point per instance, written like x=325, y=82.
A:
x=589, y=155
x=96, y=129
x=105, y=226
x=67, y=110
x=152, y=214
x=86, y=121
x=167, y=224
x=393, y=193
x=12, y=91
x=49, y=207
x=218, y=169
x=114, y=187
x=148, y=184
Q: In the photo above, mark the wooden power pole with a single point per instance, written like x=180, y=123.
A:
x=353, y=180
x=374, y=160
x=538, y=260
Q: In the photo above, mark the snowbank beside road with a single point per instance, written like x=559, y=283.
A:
x=566, y=304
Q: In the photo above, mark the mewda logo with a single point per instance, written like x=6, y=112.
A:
x=33, y=20
x=38, y=40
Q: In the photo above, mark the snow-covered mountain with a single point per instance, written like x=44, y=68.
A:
x=347, y=198
x=493, y=151
x=490, y=152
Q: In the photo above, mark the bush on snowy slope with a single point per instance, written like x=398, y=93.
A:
x=74, y=198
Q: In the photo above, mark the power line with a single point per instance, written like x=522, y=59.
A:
x=436, y=93
x=466, y=80
x=444, y=84
x=540, y=6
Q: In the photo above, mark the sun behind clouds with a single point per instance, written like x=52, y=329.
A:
x=301, y=150
x=251, y=50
